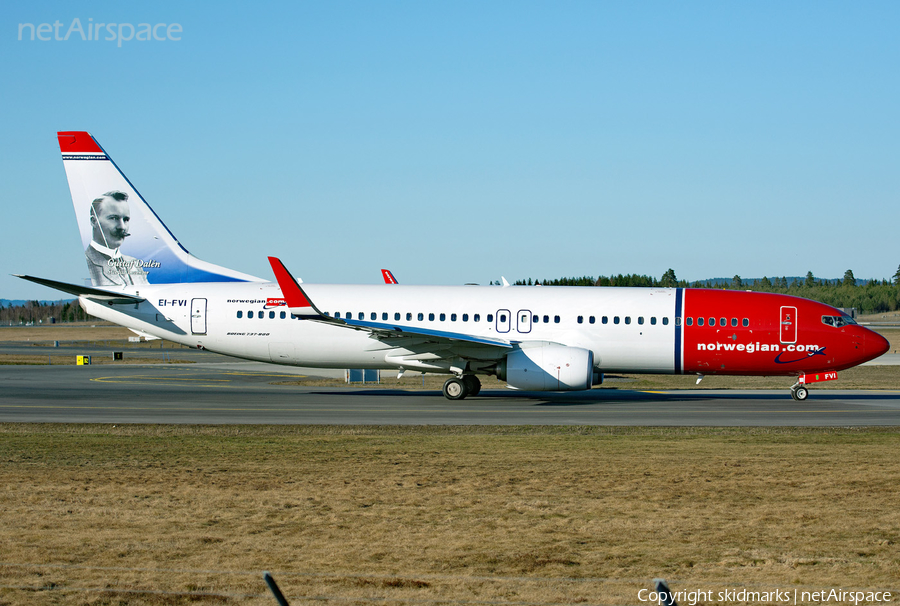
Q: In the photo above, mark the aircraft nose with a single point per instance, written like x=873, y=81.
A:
x=874, y=345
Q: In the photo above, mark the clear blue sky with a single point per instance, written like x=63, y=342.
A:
x=460, y=141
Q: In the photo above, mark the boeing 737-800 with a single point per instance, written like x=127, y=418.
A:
x=534, y=338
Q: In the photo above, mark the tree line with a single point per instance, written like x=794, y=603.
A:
x=36, y=312
x=872, y=296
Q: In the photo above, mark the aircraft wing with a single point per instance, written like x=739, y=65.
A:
x=299, y=304
x=98, y=294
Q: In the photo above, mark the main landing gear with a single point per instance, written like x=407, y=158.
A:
x=457, y=388
x=799, y=392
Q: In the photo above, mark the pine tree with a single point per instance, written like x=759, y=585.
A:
x=669, y=279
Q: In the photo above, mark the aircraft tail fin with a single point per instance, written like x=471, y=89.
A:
x=125, y=242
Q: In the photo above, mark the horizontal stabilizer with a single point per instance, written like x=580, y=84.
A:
x=97, y=294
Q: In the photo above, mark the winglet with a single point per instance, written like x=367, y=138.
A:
x=297, y=301
x=388, y=277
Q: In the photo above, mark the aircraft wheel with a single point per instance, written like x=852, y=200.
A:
x=473, y=385
x=799, y=393
x=455, y=389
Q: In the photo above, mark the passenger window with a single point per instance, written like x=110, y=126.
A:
x=734, y=321
x=443, y=317
x=453, y=317
x=712, y=321
x=396, y=316
x=605, y=320
x=723, y=322
x=536, y=319
x=745, y=322
x=361, y=315
x=546, y=319
x=249, y=314
x=261, y=315
x=556, y=319
x=699, y=321
x=349, y=315
x=373, y=316
x=476, y=318
x=431, y=317
x=384, y=315
x=581, y=319
x=640, y=319
x=591, y=319
x=615, y=319
x=421, y=316
x=240, y=314
x=283, y=315
x=337, y=314
x=652, y=320
x=271, y=315
x=503, y=318
x=465, y=317
x=628, y=319
x=408, y=317
x=490, y=317
x=689, y=321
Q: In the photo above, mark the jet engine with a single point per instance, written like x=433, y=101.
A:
x=548, y=368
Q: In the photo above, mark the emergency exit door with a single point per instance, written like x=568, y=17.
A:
x=198, y=316
x=523, y=321
x=788, y=328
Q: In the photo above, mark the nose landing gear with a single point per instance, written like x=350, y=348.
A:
x=799, y=392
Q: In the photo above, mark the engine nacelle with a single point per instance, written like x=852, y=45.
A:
x=548, y=368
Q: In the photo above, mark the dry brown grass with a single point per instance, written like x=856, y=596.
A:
x=464, y=515
x=73, y=331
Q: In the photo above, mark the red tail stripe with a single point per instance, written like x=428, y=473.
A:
x=77, y=142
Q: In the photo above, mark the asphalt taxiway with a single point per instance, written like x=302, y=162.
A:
x=251, y=394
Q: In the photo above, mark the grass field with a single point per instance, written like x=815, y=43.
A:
x=186, y=515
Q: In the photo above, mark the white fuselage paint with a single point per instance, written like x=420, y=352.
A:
x=617, y=347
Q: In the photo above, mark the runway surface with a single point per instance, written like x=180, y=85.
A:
x=238, y=393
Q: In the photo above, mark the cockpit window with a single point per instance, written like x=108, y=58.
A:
x=838, y=321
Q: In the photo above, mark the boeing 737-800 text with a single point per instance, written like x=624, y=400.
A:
x=534, y=338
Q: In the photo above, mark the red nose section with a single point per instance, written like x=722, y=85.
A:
x=874, y=345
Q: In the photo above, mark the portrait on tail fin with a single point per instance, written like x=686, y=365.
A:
x=110, y=219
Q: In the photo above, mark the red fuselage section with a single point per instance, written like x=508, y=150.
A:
x=742, y=333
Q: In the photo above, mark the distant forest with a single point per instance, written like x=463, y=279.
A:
x=872, y=296
x=42, y=312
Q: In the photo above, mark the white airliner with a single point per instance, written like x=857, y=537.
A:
x=534, y=338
